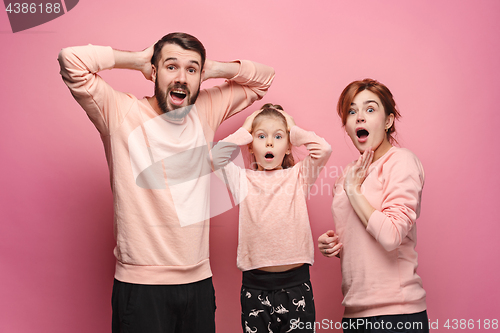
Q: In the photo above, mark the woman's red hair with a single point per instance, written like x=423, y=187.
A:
x=379, y=89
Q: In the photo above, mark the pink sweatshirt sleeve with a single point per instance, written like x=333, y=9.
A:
x=241, y=137
x=221, y=156
x=79, y=68
x=404, y=180
x=319, y=153
x=221, y=153
x=223, y=101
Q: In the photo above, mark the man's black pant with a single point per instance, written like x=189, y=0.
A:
x=182, y=308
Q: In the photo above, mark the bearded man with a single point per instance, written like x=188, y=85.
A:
x=156, y=149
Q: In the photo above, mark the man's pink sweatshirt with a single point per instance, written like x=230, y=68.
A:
x=160, y=192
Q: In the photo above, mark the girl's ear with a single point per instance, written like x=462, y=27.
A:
x=389, y=121
x=250, y=150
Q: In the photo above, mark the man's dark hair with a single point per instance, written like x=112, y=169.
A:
x=186, y=41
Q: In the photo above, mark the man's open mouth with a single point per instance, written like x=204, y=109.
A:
x=177, y=96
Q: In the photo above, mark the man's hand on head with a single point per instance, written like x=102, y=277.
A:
x=208, y=70
x=140, y=61
x=146, y=68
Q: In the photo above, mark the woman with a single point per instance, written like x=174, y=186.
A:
x=376, y=203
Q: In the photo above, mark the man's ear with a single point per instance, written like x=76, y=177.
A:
x=153, y=73
x=202, y=77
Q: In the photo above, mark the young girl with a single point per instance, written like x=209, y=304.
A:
x=375, y=206
x=275, y=247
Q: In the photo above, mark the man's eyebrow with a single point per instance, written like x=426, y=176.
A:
x=175, y=59
x=195, y=62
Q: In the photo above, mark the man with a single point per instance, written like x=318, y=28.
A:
x=156, y=151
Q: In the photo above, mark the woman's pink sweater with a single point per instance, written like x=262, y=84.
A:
x=379, y=262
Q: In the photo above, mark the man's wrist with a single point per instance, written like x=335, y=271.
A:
x=129, y=60
x=222, y=70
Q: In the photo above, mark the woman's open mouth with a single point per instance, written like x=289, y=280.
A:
x=362, y=134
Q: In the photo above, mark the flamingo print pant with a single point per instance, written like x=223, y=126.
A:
x=277, y=302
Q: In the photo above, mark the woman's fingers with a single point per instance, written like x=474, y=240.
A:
x=334, y=251
x=328, y=244
x=367, y=158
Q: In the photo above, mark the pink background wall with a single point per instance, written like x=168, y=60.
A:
x=439, y=58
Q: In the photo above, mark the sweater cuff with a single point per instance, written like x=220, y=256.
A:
x=375, y=223
x=383, y=231
x=247, y=75
x=105, y=57
x=240, y=76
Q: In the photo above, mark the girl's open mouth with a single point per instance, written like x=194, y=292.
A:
x=269, y=156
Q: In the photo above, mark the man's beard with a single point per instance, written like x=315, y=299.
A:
x=175, y=112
